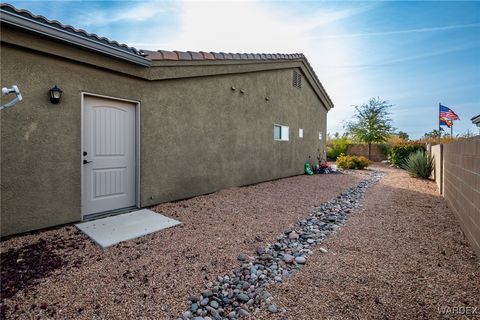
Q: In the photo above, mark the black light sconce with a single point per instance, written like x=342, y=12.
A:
x=55, y=95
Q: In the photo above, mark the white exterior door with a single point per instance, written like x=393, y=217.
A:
x=108, y=155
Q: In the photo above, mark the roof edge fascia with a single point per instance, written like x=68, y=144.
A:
x=30, y=25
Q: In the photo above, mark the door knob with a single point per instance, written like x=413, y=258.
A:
x=86, y=161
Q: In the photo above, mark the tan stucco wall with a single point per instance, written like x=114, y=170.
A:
x=197, y=135
x=212, y=137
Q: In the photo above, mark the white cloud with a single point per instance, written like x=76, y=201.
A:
x=247, y=26
x=236, y=27
x=132, y=13
x=418, y=30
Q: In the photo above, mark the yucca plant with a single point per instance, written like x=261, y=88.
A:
x=419, y=164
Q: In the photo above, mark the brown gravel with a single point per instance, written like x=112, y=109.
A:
x=61, y=274
x=402, y=257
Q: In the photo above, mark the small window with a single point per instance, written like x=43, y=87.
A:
x=300, y=133
x=280, y=132
x=277, y=132
x=320, y=136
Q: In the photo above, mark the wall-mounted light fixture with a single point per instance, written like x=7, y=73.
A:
x=55, y=95
x=233, y=88
x=242, y=91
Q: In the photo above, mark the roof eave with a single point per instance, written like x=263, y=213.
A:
x=18, y=21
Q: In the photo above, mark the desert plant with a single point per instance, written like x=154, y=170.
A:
x=345, y=162
x=361, y=162
x=399, y=153
x=352, y=162
x=419, y=164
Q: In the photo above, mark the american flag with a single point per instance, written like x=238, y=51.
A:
x=446, y=112
x=445, y=122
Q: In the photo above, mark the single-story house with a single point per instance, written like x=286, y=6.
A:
x=133, y=128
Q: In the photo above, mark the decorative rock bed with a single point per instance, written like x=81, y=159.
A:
x=244, y=290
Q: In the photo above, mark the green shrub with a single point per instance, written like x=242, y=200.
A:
x=345, y=162
x=336, y=147
x=419, y=164
x=352, y=162
x=399, y=153
x=361, y=162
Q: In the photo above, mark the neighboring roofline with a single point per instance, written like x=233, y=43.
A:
x=85, y=40
x=476, y=119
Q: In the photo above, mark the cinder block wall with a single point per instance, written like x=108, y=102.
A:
x=362, y=150
x=461, y=165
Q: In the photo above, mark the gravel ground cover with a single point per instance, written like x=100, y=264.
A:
x=61, y=274
x=403, y=256
x=244, y=291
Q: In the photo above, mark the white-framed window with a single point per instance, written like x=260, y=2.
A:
x=280, y=132
x=300, y=133
x=320, y=136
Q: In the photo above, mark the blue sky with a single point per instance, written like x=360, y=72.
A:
x=414, y=54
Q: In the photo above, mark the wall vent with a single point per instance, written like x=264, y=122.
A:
x=297, y=80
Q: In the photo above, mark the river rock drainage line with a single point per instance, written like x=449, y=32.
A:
x=244, y=290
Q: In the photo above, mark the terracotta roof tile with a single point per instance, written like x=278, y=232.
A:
x=153, y=55
x=196, y=55
x=167, y=55
x=228, y=56
x=218, y=56
x=182, y=55
x=208, y=55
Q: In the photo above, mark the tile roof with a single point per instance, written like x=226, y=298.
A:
x=58, y=25
x=192, y=55
x=163, y=55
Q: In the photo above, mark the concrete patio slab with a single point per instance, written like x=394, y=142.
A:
x=109, y=231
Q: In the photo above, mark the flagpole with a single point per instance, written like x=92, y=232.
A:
x=451, y=130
